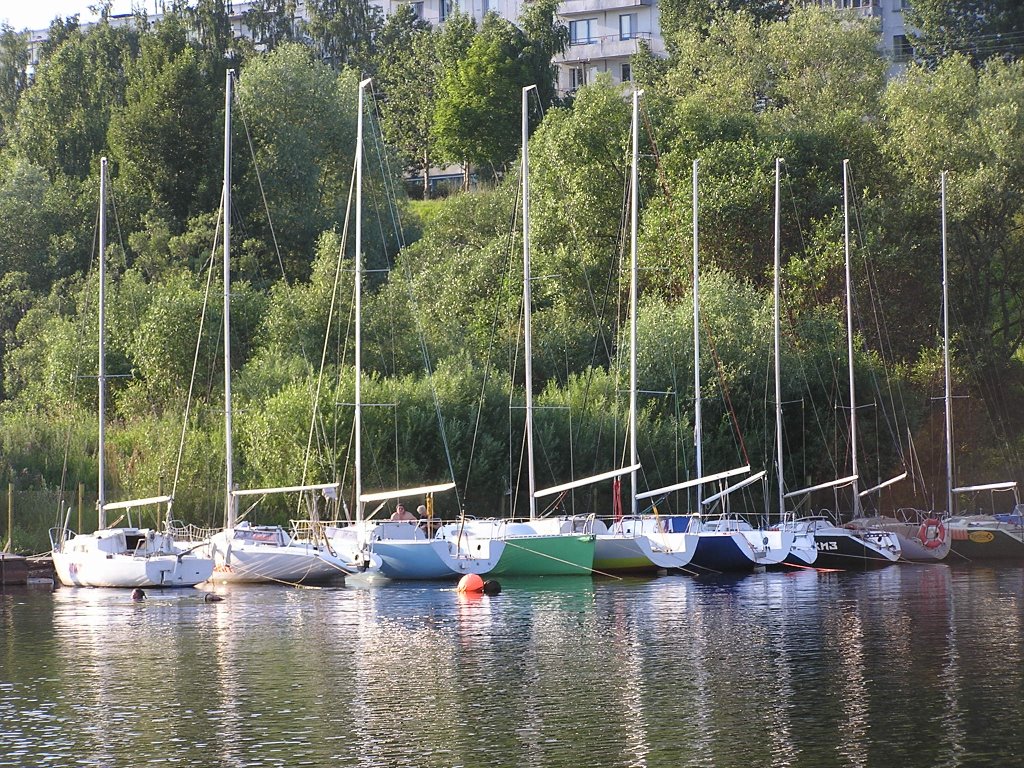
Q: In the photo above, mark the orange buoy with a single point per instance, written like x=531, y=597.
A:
x=471, y=582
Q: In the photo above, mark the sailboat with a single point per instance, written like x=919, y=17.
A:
x=845, y=548
x=243, y=552
x=632, y=543
x=803, y=552
x=537, y=546
x=971, y=537
x=725, y=543
x=396, y=549
x=120, y=557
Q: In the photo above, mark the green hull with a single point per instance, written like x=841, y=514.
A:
x=559, y=555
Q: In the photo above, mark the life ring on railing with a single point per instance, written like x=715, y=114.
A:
x=932, y=526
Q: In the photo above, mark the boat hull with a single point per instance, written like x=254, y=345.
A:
x=240, y=556
x=846, y=550
x=129, y=571
x=985, y=538
x=546, y=555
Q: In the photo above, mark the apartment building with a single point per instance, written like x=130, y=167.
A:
x=893, y=39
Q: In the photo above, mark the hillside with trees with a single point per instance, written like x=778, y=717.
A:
x=442, y=310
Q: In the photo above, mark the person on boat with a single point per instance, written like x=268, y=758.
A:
x=401, y=513
x=426, y=521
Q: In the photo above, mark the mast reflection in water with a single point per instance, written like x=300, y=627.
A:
x=905, y=666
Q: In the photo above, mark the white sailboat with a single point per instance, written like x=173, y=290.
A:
x=537, y=546
x=395, y=549
x=120, y=557
x=845, y=548
x=725, y=543
x=636, y=542
x=243, y=552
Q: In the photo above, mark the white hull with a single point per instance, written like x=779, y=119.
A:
x=127, y=557
x=240, y=556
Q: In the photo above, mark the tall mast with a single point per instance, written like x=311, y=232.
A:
x=778, y=340
x=231, y=503
x=527, y=302
x=849, y=337
x=358, y=421
x=634, y=215
x=102, y=378
x=697, y=428
x=945, y=358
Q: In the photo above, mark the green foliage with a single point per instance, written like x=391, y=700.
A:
x=746, y=83
x=300, y=117
x=979, y=29
x=343, y=32
x=63, y=118
x=163, y=135
x=13, y=76
x=407, y=76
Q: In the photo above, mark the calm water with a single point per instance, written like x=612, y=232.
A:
x=908, y=666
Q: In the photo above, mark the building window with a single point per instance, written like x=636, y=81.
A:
x=485, y=6
x=577, y=78
x=902, y=50
x=444, y=9
x=627, y=26
x=580, y=32
x=627, y=73
x=417, y=8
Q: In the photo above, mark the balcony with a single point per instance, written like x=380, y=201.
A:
x=606, y=47
x=577, y=7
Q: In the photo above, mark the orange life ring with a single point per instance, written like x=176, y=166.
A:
x=927, y=526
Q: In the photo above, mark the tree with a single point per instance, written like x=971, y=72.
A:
x=700, y=16
x=546, y=37
x=13, y=76
x=165, y=136
x=63, y=118
x=407, y=73
x=477, y=115
x=978, y=29
x=344, y=32
x=271, y=22
x=301, y=118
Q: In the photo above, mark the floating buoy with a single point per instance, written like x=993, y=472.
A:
x=209, y=597
x=138, y=595
x=471, y=582
x=491, y=587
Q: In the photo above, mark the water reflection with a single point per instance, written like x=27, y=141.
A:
x=911, y=666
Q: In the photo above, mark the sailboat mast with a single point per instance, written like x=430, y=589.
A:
x=358, y=418
x=697, y=427
x=778, y=335
x=849, y=337
x=945, y=357
x=231, y=516
x=634, y=216
x=102, y=363
x=528, y=303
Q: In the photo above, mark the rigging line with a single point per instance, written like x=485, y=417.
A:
x=719, y=369
x=327, y=334
x=431, y=380
x=199, y=344
x=892, y=420
x=78, y=367
x=290, y=299
x=613, y=278
x=827, y=340
x=509, y=242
